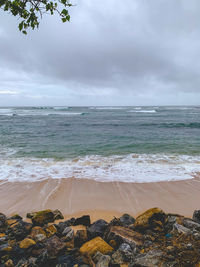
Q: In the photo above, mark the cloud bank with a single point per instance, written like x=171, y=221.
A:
x=137, y=52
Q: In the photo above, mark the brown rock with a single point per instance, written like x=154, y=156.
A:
x=26, y=243
x=37, y=230
x=9, y=263
x=125, y=235
x=51, y=230
x=153, y=218
x=97, y=244
x=11, y=221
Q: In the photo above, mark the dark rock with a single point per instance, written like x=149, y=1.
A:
x=196, y=216
x=54, y=246
x=80, y=237
x=57, y=215
x=68, y=233
x=98, y=228
x=19, y=230
x=123, y=254
x=62, y=225
x=125, y=235
x=126, y=220
x=16, y=217
x=188, y=223
x=2, y=221
x=84, y=220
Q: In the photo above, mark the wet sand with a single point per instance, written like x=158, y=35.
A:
x=75, y=197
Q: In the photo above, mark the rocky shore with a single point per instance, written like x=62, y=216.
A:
x=154, y=238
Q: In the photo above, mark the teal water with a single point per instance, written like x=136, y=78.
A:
x=105, y=143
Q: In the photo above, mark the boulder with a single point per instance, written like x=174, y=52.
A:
x=84, y=220
x=51, y=230
x=181, y=229
x=125, y=235
x=37, y=233
x=26, y=243
x=57, y=215
x=68, y=233
x=19, y=230
x=98, y=228
x=41, y=217
x=151, y=259
x=97, y=244
x=188, y=223
x=123, y=254
x=9, y=263
x=80, y=236
x=126, y=220
x=2, y=222
x=153, y=219
x=196, y=216
x=54, y=246
x=103, y=261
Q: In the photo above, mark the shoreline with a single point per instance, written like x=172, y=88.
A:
x=76, y=197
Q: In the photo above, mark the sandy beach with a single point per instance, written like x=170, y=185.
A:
x=99, y=199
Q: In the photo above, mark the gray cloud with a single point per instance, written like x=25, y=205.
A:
x=113, y=53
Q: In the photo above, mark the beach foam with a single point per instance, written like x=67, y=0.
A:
x=129, y=168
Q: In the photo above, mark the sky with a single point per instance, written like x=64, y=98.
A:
x=113, y=53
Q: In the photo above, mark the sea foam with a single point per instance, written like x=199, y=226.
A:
x=128, y=168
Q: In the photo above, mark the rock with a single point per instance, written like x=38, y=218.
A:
x=19, y=230
x=188, y=223
x=126, y=220
x=41, y=217
x=54, y=245
x=62, y=225
x=196, y=216
x=153, y=219
x=123, y=254
x=80, y=237
x=84, y=220
x=50, y=230
x=57, y=215
x=151, y=259
x=16, y=217
x=181, y=229
x=97, y=244
x=125, y=235
x=37, y=233
x=69, y=233
x=2, y=221
x=5, y=248
x=11, y=221
x=26, y=243
x=70, y=261
x=103, y=261
x=98, y=228
x=9, y=263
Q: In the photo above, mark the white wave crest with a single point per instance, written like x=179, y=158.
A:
x=130, y=168
x=144, y=111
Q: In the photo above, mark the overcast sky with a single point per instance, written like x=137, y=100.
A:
x=133, y=52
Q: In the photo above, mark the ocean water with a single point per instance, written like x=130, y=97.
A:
x=129, y=144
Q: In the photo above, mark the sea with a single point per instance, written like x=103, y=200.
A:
x=125, y=144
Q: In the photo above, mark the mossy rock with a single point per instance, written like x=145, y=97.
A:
x=41, y=217
x=153, y=219
x=91, y=247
